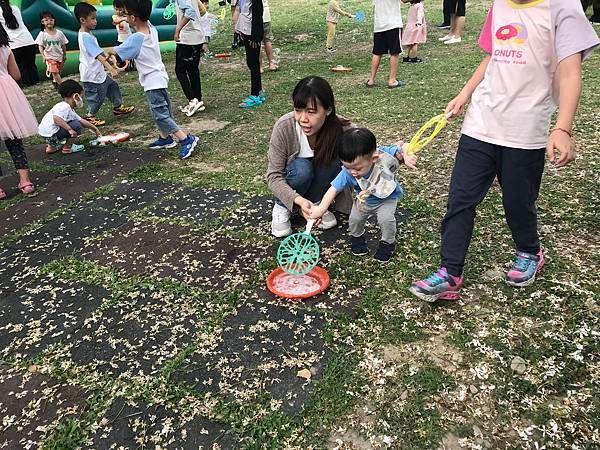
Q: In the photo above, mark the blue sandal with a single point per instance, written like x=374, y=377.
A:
x=251, y=101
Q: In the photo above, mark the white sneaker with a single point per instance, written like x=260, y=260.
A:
x=328, y=221
x=280, y=224
x=446, y=38
x=454, y=40
x=194, y=107
x=186, y=108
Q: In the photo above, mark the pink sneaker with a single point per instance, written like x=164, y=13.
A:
x=524, y=268
x=440, y=285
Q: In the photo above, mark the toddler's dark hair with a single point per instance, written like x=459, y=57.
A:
x=68, y=88
x=83, y=10
x=45, y=14
x=142, y=9
x=356, y=143
x=119, y=4
x=412, y=2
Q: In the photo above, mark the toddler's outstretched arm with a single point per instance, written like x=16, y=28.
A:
x=317, y=211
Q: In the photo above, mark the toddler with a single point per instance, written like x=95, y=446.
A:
x=52, y=44
x=415, y=32
x=16, y=116
x=333, y=17
x=370, y=172
x=62, y=125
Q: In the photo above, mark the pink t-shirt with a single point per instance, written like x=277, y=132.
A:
x=513, y=105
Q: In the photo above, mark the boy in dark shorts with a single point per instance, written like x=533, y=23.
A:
x=386, y=39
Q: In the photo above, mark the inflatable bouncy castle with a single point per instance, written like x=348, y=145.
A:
x=162, y=18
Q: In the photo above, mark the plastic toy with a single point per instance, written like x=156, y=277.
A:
x=359, y=16
x=299, y=253
x=298, y=287
x=113, y=138
x=417, y=143
x=222, y=55
x=341, y=69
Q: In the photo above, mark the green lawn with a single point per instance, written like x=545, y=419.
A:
x=403, y=374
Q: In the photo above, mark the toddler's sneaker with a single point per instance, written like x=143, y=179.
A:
x=358, y=245
x=328, y=221
x=281, y=225
x=122, y=109
x=384, y=252
x=187, y=146
x=331, y=49
x=446, y=38
x=439, y=285
x=524, y=269
x=161, y=143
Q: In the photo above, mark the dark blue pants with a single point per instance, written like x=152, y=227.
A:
x=477, y=164
x=309, y=181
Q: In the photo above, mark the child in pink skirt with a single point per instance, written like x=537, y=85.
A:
x=16, y=116
x=415, y=32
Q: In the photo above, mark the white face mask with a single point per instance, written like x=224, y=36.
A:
x=78, y=101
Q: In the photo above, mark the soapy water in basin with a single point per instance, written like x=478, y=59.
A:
x=296, y=284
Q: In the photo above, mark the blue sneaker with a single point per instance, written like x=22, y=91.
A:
x=161, y=143
x=439, y=285
x=524, y=269
x=187, y=146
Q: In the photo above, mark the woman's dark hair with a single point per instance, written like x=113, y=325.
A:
x=9, y=16
x=45, y=14
x=142, y=9
x=4, y=40
x=69, y=88
x=356, y=143
x=83, y=10
x=307, y=92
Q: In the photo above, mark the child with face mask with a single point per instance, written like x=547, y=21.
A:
x=62, y=125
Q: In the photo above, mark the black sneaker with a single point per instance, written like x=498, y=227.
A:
x=414, y=60
x=443, y=26
x=358, y=245
x=405, y=59
x=384, y=252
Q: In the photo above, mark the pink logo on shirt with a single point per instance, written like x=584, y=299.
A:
x=514, y=33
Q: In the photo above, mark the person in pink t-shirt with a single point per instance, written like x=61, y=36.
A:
x=533, y=64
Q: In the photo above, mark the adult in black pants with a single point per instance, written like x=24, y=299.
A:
x=250, y=26
x=595, y=19
x=445, y=25
x=21, y=42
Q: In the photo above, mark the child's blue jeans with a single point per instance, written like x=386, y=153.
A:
x=162, y=113
x=477, y=163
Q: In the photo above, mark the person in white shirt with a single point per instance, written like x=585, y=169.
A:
x=386, y=39
x=189, y=38
x=53, y=47
x=143, y=47
x=97, y=85
x=21, y=42
x=62, y=125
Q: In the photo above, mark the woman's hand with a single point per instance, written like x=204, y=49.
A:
x=411, y=161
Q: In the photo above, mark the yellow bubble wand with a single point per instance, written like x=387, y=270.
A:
x=418, y=142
